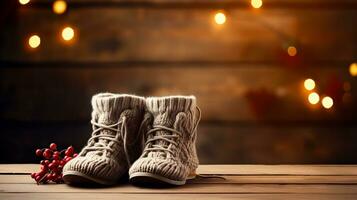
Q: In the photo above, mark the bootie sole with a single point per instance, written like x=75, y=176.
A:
x=78, y=178
x=146, y=178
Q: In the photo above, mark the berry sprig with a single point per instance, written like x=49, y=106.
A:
x=52, y=164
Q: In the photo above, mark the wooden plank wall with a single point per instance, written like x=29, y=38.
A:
x=255, y=109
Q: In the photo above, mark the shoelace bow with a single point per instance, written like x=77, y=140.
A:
x=120, y=131
x=168, y=138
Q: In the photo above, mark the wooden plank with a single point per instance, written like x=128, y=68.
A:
x=189, y=189
x=228, y=179
x=45, y=196
x=319, y=170
x=224, y=93
x=182, y=35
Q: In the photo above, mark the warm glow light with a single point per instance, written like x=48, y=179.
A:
x=256, y=3
x=67, y=33
x=327, y=102
x=309, y=84
x=353, y=69
x=24, y=2
x=314, y=98
x=59, y=6
x=292, y=51
x=34, y=41
x=220, y=18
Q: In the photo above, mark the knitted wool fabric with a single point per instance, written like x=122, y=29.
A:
x=113, y=145
x=169, y=154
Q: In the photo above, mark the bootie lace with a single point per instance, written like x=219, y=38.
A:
x=120, y=130
x=151, y=145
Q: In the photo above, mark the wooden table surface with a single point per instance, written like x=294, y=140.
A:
x=234, y=182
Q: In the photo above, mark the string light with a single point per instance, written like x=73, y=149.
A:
x=309, y=84
x=314, y=98
x=24, y=2
x=67, y=33
x=292, y=51
x=34, y=41
x=59, y=7
x=353, y=69
x=256, y=3
x=220, y=18
x=327, y=102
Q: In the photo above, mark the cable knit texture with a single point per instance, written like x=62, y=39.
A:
x=171, y=154
x=104, y=156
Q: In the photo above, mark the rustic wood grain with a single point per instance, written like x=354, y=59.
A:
x=318, y=170
x=237, y=179
x=132, y=34
x=222, y=91
x=190, y=189
x=45, y=196
x=241, y=181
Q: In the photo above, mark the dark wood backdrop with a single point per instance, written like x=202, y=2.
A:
x=255, y=109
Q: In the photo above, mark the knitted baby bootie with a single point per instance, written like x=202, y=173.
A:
x=169, y=154
x=112, y=146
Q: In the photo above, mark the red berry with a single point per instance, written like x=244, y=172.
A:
x=53, y=146
x=51, y=166
x=38, y=178
x=38, y=152
x=43, y=167
x=69, y=151
x=49, y=177
x=67, y=159
x=33, y=175
x=62, y=162
x=47, y=162
x=47, y=154
x=56, y=162
x=55, y=157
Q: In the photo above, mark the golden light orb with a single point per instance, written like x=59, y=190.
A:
x=309, y=84
x=68, y=33
x=292, y=51
x=256, y=3
x=220, y=18
x=327, y=102
x=59, y=7
x=34, y=41
x=353, y=69
x=24, y=2
x=314, y=98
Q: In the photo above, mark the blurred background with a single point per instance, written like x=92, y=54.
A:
x=276, y=79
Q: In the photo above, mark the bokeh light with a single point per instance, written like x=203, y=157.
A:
x=68, y=33
x=34, y=41
x=314, y=98
x=220, y=18
x=309, y=84
x=353, y=69
x=292, y=51
x=327, y=102
x=24, y=2
x=59, y=7
x=256, y=3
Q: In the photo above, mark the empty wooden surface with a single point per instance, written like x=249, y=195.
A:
x=225, y=182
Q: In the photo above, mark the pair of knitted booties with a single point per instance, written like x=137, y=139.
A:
x=152, y=139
